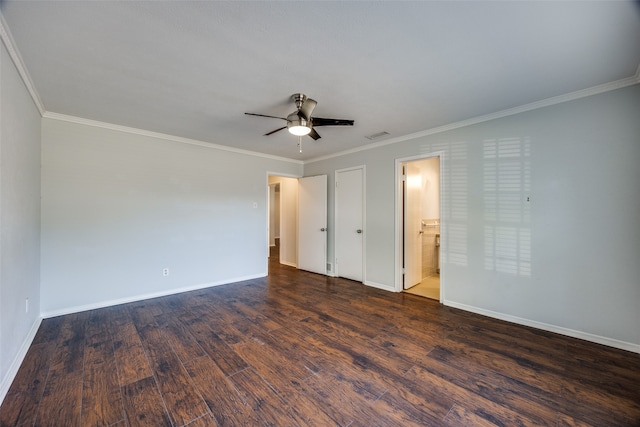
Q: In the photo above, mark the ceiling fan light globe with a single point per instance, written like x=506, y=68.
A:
x=299, y=130
x=298, y=125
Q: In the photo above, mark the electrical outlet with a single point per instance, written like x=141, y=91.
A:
x=165, y=271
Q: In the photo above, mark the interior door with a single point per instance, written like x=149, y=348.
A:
x=349, y=224
x=412, y=225
x=312, y=224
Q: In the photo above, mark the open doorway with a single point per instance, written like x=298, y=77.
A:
x=301, y=213
x=419, y=228
x=283, y=220
x=274, y=222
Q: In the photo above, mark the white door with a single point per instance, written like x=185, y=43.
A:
x=312, y=224
x=349, y=224
x=412, y=225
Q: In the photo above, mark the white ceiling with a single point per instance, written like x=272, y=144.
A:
x=192, y=68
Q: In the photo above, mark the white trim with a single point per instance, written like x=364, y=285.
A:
x=594, y=90
x=15, y=56
x=152, y=134
x=103, y=304
x=290, y=264
x=397, y=273
x=17, y=361
x=379, y=286
x=284, y=175
x=611, y=342
x=364, y=223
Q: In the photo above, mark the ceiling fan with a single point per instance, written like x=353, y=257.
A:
x=300, y=122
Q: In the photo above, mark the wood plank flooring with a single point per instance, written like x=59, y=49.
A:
x=299, y=349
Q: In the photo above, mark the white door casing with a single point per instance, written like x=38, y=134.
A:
x=272, y=214
x=350, y=233
x=312, y=224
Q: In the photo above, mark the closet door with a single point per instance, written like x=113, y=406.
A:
x=349, y=234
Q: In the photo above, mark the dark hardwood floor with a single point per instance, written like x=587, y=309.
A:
x=298, y=349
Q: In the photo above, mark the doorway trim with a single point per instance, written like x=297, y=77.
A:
x=400, y=219
x=267, y=213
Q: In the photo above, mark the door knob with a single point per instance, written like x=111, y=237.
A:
x=359, y=231
x=323, y=229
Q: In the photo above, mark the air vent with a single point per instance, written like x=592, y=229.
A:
x=377, y=135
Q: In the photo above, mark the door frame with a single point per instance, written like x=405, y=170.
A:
x=399, y=250
x=336, y=269
x=267, y=219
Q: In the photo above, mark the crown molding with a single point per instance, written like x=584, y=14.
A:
x=14, y=54
x=164, y=136
x=594, y=90
x=16, y=58
x=9, y=43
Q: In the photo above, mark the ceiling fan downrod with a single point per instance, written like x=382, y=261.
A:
x=299, y=99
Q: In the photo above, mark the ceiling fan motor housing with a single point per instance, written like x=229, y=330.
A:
x=299, y=99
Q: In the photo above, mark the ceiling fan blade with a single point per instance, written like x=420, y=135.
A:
x=307, y=108
x=264, y=115
x=274, y=131
x=319, y=121
x=315, y=135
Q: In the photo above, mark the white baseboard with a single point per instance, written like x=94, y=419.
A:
x=611, y=342
x=379, y=286
x=290, y=264
x=109, y=303
x=17, y=361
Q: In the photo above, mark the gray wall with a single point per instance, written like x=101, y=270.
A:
x=118, y=208
x=19, y=219
x=567, y=260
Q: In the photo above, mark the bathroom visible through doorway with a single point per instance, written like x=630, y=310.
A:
x=421, y=227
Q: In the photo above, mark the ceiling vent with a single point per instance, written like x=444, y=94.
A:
x=377, y=135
